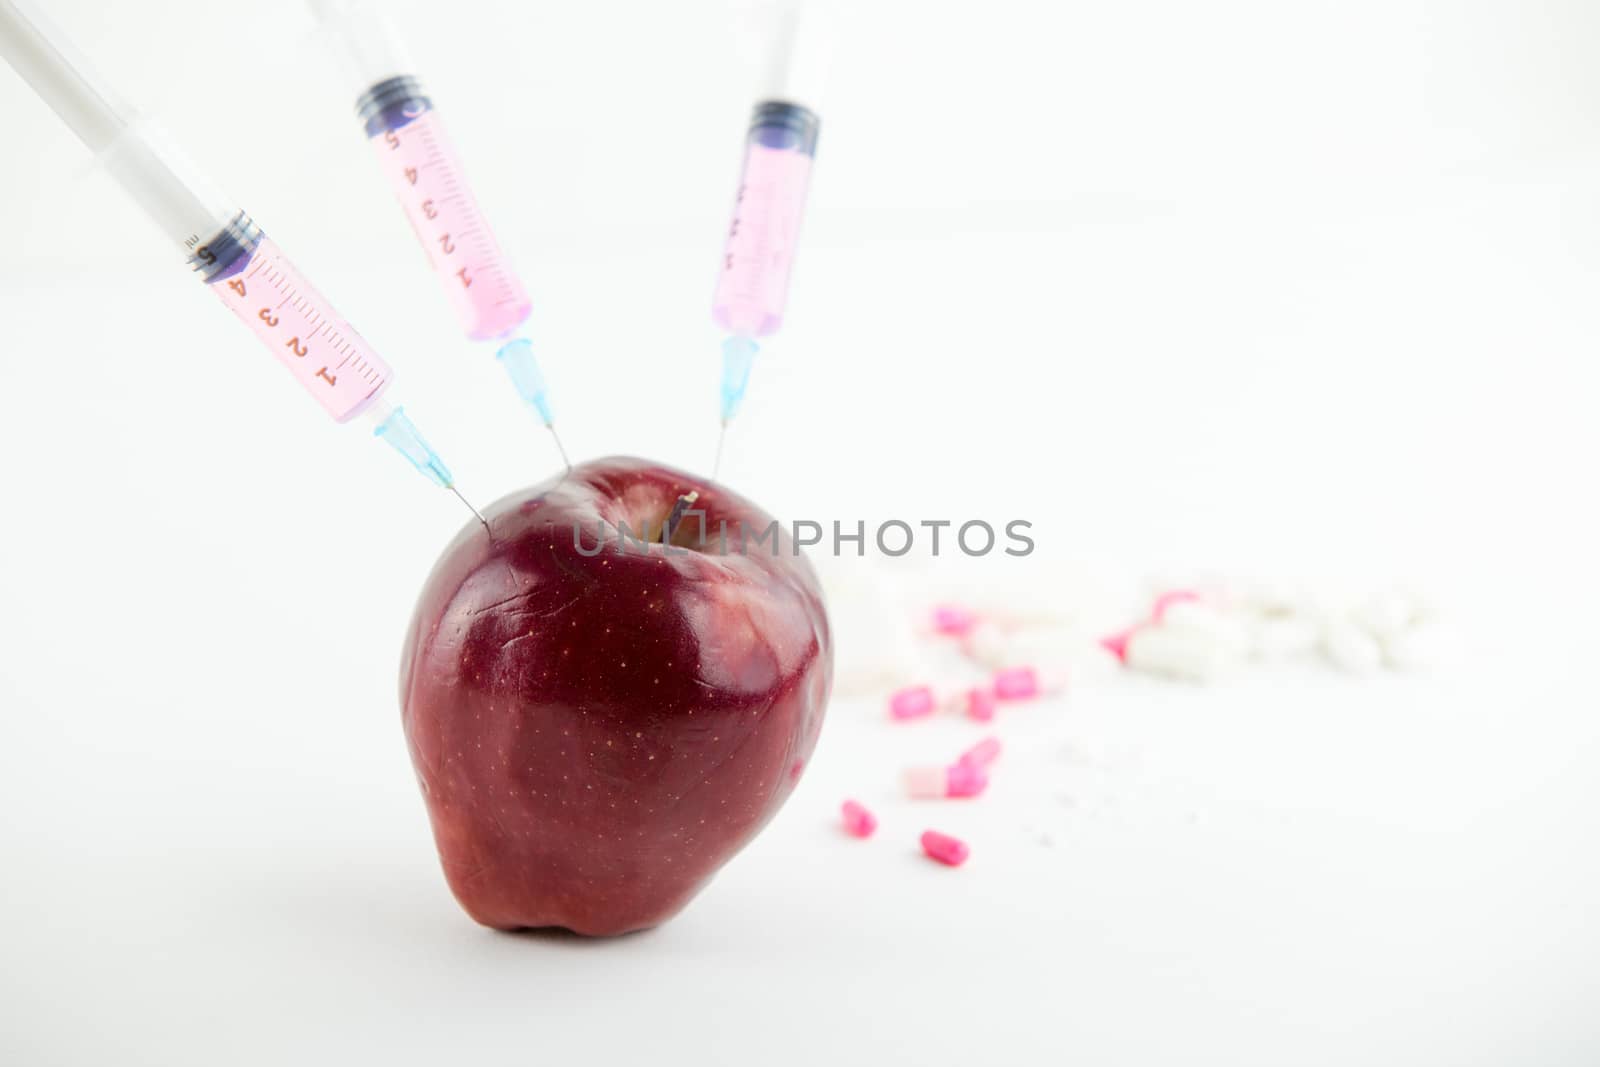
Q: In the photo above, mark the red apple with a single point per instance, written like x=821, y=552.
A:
x=597, y=734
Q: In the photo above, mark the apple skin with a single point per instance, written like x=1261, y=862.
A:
x=595, y=736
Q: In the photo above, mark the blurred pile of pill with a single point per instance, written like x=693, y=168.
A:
x=972, y=657
x=1200, y=635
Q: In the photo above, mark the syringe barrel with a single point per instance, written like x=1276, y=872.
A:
x=185, y=206
x=417, y=155
x=753, y=286
x=425, y=172
x=295, y=322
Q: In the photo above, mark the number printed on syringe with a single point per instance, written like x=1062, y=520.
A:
x=426, y=176
x=297, y=324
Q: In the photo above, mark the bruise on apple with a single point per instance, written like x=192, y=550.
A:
x=596, y=734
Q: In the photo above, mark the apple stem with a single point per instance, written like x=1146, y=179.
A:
x=684, y=503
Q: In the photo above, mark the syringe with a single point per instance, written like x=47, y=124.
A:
x=426, y=175
x=753, y=286
x=243, y=266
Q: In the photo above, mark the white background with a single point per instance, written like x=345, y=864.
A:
x=1297, y=290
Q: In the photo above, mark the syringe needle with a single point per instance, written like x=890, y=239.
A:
x=551, y=427
x=470, y=508
x=517, y=358
x=716, y=464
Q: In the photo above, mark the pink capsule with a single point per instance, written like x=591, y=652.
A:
x=980, y=704
x=956, y=780
x=858, y=821
x=1017, y=683
x=954, y=620
x=950, y=851
x=982, y=754
x=1158, y=610
x=912, y=703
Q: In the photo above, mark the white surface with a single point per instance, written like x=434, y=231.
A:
x=1285, y=290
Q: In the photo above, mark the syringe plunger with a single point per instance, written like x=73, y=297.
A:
x=368, y=48
x=165, y=185
x=239, y=263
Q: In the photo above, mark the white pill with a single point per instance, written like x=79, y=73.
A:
x=1190, y=655
x=988, y=645
x=1420, y=647
x=1058, y=648
x=1093, y=661
x=1387, y=615
x=874, y=644
x=1281, y=637
x=1206, y=620
x=1268, y=597
x=1350, y=647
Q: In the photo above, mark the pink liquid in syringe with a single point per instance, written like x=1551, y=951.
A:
x=754, y=284
x=299, y=327
x=427, y=178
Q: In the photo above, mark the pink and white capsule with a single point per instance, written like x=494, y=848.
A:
x=950, y=851
x=1025, y=683
x=858, y=821
x=912, y=703
x=982, y=754
x=956, y=780
x=980, y=703
x=988, y=645
x=1117, y=643
x=1158, y=610
x=954, y=620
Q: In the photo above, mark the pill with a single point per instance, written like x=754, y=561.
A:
x=995, y=647
x=858, y=821
x=1350, y=647
x=954, y=620
x=1158, y=610
x=1387, y=615
x=1016, y=683
x=1202, y=617
x=950, y=851
x=874, y=649
x=1184, y=654
x=1268, y=597
x=1418, y=648
x=1025, y=683
x=1279, y=637
x=980, y=703
x=1117, y=643
x=988, y=645
x=1094, y=661
x=981, y=754
x=956, y=780
x=912, y=703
